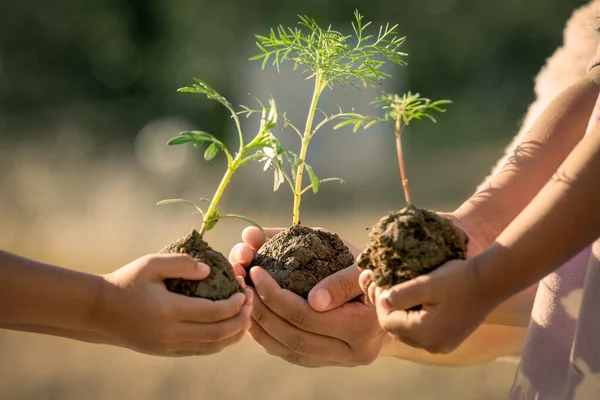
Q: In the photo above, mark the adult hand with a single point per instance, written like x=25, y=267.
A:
x=137, y=311
x=328, y=330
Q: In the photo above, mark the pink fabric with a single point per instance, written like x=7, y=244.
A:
x=561, y=358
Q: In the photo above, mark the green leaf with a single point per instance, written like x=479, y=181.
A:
x=343, y=123
x=173, y=201
x=313, y=178
x=179, y=140
x=211, y=152
x=247, y=220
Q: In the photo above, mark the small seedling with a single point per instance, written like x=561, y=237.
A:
x=398, y=112
x=261, y=148
x=407, y=243
x=327, y=58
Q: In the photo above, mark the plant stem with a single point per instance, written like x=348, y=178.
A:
x=211, y=213
x=319, y=86
x=398, y=132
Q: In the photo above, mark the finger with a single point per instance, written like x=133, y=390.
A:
x=254, y=238
x=242, y=254
x=373, y=292
x=405, y=326
x=335, y=290
x=215, y=332
x=365, y=279
x=408, y=294
x=273, y=347
x=298, y=341
x=249, y=297
x=238, y=270
x=205, y=311
x=205, y=349
x=163, y=266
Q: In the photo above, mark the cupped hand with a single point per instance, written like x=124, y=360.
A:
x=328, y=330
x=137, y=311
x=454, y=304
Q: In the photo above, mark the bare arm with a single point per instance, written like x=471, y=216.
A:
x=537, y=156
x=487, y=343
x=130, y=307
x=562, y=219
x=42, y=298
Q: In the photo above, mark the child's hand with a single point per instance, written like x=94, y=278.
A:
x=454, y=303
x=138, y=312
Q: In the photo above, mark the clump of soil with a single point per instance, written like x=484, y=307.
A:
x=299, y=257
x=411, y=242
x=219, y=285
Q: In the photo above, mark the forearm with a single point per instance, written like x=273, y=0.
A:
x=487, y=343
x=562, y=219
x=540, y=152
x=44, y=297
x=84, y=336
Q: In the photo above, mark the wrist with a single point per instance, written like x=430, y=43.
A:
x=104, y=309
x=387, y=346
x=491, y=271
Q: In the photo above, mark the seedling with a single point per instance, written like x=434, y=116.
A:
x=327, y=58
x=407, y=243
x=221, y=283
x=398, y=112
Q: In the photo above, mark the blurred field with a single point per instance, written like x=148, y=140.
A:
x=97, y=216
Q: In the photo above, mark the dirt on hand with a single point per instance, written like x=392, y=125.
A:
x=299, y=257
x=411, y=242
x=219, y=285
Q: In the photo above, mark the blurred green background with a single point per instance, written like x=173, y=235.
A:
x=88, y=99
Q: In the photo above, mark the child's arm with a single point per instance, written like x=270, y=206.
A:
x=130, y=307
x=540, y=152
x=561, y=220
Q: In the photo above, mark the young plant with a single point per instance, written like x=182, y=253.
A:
x=413, y=241
x=260, y=148
x=398, y=112
x=327, y=58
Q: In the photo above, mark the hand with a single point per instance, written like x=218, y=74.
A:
x=475, y=247
x=138, y=312
x=328, y=330
x=454, y=303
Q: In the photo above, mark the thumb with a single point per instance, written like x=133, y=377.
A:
x=254, y=238
x=162, y=266
x=335, y=290
x=407, y=295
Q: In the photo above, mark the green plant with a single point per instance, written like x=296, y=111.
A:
x=327, y=57
x=398, y=112
x=261, y=148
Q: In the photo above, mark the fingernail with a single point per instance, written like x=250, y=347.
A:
x=237, y=253
x=383, y=295
x=203, y=268
x=322, y=299
x=255, y=275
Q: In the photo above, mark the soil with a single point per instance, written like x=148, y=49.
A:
x=220, y=284
x=411, y=242
x=299, y=257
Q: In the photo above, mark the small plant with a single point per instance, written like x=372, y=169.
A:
x=398, y=112
x=221, y=283
x=327, y=58
x=407, y=243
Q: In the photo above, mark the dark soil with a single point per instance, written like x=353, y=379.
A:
x=299, y=257
x=220, y=284
x=411, y=242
